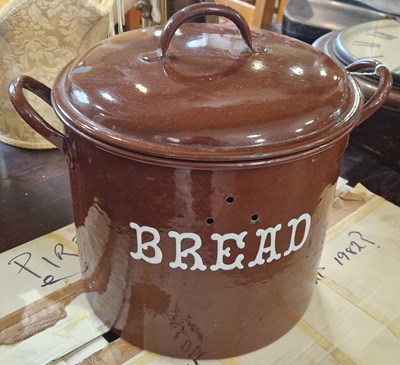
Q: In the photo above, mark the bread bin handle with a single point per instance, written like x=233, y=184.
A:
x=30, y=115
x=363, y=68
x=195, y=11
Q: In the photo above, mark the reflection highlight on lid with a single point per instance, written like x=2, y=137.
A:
x=257, y=139
x=260, y=141
x=258, y=65
x=296, y=70
x=80, y=96
x=196, y=43
x=141, y=88
x=173, y=139
x=323, y=72
x=107, y=96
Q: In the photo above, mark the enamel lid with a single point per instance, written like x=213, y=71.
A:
x=207, y=92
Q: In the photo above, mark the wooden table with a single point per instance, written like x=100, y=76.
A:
x=34, y=194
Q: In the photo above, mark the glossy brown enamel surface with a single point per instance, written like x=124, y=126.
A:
x=190, y=312
x=210, y=98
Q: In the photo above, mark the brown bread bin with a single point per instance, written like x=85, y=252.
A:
x=203, y=161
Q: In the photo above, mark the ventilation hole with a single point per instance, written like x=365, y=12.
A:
x=210, y=220
x=254, y=218
x=230, y=199
x=180, y=215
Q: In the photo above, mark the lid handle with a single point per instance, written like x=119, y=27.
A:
x=195, y=11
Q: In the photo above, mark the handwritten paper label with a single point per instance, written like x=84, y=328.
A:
x=355, y=245
x=22, y=262
x=37, y=268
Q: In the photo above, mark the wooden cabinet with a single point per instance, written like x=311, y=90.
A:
x=258, y=15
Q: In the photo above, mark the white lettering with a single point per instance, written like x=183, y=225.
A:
x=294, y=223
x=188, y=246
x=144, y=246
x=263, y=233
x=179, y=237
x=226, y=252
